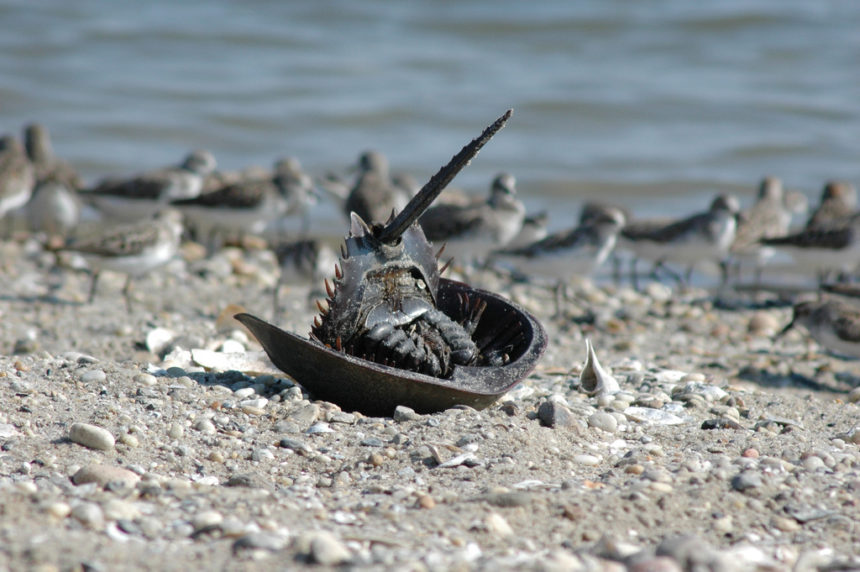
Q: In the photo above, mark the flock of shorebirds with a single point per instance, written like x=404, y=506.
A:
x=145, y=216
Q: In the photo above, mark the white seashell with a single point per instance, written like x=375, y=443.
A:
x=252, y=363
x=653, y=416
x=468, y=459
x=594, y=380
x=158, y=339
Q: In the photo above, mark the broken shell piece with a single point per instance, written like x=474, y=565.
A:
x=594, y=380
x=252, y=363
x=158, y=340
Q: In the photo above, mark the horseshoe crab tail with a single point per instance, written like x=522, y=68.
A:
x=437, y=183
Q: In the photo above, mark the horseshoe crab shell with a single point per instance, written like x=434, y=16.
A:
x=373, y=389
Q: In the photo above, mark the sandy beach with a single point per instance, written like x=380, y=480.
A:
x=725, y=449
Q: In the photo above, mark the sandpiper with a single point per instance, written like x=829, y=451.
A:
x=55, y=208
x=472, y=231
x=824, y=248
x=16, y=177
x=144, y=195
x=570, y=254
x=47, y=165
x=298, y=189
x=248, y=205
x=832, y=323
x=374, y=196
x=769, y=217
x=132, y=249
x=838, y=202
x=700, y=237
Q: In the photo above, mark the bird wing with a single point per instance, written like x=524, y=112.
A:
x=121, y=240
x=244, y=195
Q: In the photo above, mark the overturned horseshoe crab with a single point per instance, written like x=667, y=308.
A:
x=395, y=332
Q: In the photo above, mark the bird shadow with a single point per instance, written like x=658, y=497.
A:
x=42, y=299
x=842, y=382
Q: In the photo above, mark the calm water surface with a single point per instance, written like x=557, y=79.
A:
x=654, y=104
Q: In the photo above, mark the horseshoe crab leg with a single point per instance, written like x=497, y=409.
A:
x=437, y=183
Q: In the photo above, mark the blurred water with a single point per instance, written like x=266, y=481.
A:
x=653, y=104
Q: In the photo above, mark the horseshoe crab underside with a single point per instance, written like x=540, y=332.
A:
x=359, y=385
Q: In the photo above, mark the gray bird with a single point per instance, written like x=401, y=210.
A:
x=17, y=177
x=705, y=236
x=472, y=231
x=37, y=141
x=374, y=196
x=141, y=196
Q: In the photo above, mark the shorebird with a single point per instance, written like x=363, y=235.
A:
x=827, y=247
x=132, y=249
x=298, y=190
x=834, y=324
x=473, y=231
x=54, y=208
x=700, y=237
x=570, y=254
x=144, y=195
x=769, y=217
x=247, y=206
x=374, y=196
x=838, y=201
x=17, y=177
x=37, y=141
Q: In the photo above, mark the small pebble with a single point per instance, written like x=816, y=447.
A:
x=813, y=463
x=89, y=514
x=244, y=392
x=587, y=460
x=403, y=413
x=119, y=509
x=207, y=519
x=751, y=453
x=604, y=421
x=145, y=379
x=553, y=414
x=785, y=524
x=93, y=376
x=129, y=440
x=205, y=426
x=634, y=469
x=296, y=445
x=721, y=423
x=497, y=525
x=91, y=436
x=260, y=541
x=325, y=548
x=426, y=501
x=58, y=510
x=104, y=475
x=176, y=430
x=746, y=480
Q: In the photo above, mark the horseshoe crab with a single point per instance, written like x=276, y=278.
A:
x=394, y=332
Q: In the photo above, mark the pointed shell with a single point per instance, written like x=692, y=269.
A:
x=594, y=380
